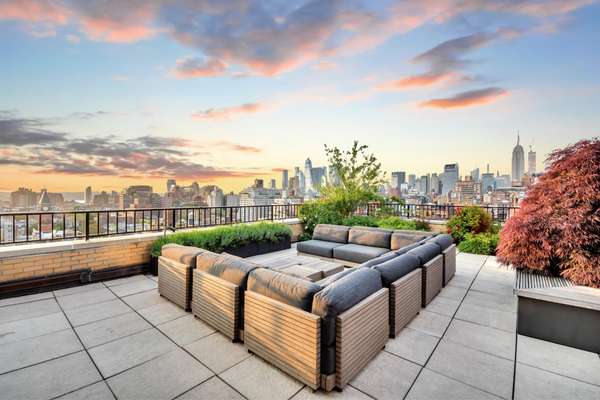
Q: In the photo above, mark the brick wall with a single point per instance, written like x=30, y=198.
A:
x=116, y=253
x=34, y=260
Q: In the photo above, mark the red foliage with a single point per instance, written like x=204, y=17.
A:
x=557, y=228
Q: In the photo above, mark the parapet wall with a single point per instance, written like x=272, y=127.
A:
x=42, y=259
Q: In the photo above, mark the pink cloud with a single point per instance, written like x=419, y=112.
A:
x=229, y=112
x=467, y=99
x=34, y=11
x=414, y=81
x=325, y=65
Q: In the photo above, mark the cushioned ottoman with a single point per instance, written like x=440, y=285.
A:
x=357, y=253
x=175, y=267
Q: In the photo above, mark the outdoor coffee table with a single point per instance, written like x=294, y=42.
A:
x=304, y=267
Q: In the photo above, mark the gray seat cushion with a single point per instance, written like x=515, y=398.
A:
x=227, y=267
x=396, y=268
x=408, y=248
x=335, y=277
x=337, y=298
x=402, y=239
x=182, y=254
x=443, y=241
x=380, y=259
x=318, y=247
x=331, y=233
x=357, y=253
x=373, y=237
x=287, y=289
x=426, y=252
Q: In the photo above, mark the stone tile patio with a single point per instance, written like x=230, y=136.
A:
x=120, y=339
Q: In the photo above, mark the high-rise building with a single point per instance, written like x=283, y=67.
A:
x=412, y=180
x=44, y=204
x=216, y=198
x=424, y=185
x=101, y=199
x=334, y=178
x=23, y=198
x=318, y=177
x=398, y=178
x=137, y=196
x=273, y=184
x=171, y=184
x=434, y=184
x=259, y=183
x=232, y=200
x=468, y=191
x=488, y=182
x=449, y=178
x=88, y=196
x=531, y=162
x=475, y=175
x=308, y=184
x=518, y=161
x=284, y=179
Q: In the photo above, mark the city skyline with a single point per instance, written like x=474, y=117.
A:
x=133, y=93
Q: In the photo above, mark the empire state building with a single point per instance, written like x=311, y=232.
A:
x=518, y=161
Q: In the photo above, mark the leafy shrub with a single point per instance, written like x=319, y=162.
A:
x=317, y=212
x=227, y=237
x=360, y=220
x=481, y=243
x=557, y=228
x=396, y=223
x=422, y=225
x=469, y=220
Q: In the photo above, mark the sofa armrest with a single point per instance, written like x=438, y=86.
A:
x=405, y=300
x=449, y=263
x=285, y=336
x=361, y=333
x=433, y=276
x=217, y=302
x=175, y=281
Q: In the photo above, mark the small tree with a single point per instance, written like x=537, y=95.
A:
x=557, y=228
x=469, y=220
x=358, y=175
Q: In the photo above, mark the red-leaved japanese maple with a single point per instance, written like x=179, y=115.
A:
x=557, y=228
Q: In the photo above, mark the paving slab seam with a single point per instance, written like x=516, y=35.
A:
x=80, y=388
x=557, y=374
x=26, y=302
x=203, y=382
x=361, y=391
x=485, y=326
x=98, y=320
x=119, y=338
x=41, y=362
x=445, y=330
x=80, y=341
x=165, y=335
x=34, y=337
x=464, y=383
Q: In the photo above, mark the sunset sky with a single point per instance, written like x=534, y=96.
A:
x=112, y=93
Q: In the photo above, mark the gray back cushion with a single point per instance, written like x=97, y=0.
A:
x=335, y=277
x=426, y=252
x=396, y=268
x=408, y=248
x=182, y=254
x=331, y=233
x=343, y=295
x=370, y=237
x=287, y=289
x=443, y=241
x=334, y=300
x=227, y=267
x=378, y=260
x=401, y=239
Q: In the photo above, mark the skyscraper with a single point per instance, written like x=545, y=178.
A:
x=531, y=162
x=273, y=184
x=308, y=175
x=475, y=175
x=284, y=179
x=88, y=195
x=412, y=180
x=170, y=184
x=449, y=177
x=398, y=178
x=518, y=161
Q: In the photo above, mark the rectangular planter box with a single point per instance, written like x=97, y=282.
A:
x=254, y=249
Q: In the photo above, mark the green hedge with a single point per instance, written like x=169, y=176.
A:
x=481, y=243
x=400, y=223
x=226, y=237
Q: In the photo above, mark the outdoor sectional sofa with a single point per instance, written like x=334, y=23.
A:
x=322, y=333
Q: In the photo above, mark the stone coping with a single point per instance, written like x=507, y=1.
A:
x=20, y=250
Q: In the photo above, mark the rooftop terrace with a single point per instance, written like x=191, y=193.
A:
x=120, y=339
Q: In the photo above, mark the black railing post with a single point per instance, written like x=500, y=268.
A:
x=87, y=225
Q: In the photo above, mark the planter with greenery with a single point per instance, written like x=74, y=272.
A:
x=243, y=240
x=557, y=228
x=479, y=243
x=470, y=219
